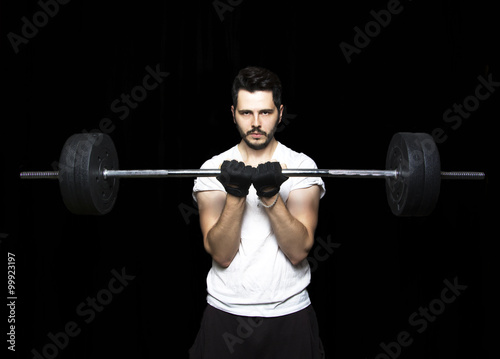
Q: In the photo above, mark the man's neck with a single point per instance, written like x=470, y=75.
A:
x=253, y=157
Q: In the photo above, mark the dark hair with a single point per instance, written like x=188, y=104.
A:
x=254, y=79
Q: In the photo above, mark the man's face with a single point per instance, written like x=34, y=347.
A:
x=256, y=118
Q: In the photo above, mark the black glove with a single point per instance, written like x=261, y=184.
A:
x=268, y=178
x=236, y=177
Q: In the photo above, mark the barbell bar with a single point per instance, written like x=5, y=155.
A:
x=289, y=172
x=89, y=176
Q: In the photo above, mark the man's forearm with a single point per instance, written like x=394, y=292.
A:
x=223, y=239
x=292, y=236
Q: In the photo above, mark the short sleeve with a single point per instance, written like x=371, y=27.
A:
x=207, y=183
x=306, y=182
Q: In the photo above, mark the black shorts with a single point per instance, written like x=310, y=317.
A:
x=223, y=335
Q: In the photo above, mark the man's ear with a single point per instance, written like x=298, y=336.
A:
x=281, y=113
x=232, y=111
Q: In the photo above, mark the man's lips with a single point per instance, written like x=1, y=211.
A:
x=256, y=134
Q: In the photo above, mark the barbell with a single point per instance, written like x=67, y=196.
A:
x=89, y=174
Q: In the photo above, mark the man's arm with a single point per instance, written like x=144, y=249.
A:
x=221, y=213
x=294, y=223
x=221, y=216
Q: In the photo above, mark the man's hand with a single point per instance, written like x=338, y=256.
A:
x=236, y=177
x=268, y=178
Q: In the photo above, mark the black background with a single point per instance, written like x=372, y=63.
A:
x=341, y=114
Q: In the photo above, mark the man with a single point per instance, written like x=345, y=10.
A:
x=258, y=226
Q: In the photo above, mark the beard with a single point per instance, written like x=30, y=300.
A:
x=257, y=146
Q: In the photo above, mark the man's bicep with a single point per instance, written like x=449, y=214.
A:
x=210, y=206
x=303, y=204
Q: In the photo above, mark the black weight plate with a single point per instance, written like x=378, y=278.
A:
x=66, y=173
x=82, y=161
x=432, y=168
x=405, y=193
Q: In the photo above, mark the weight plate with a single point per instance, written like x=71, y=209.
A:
x=82, y=162
x=432, y=168
x=405, y=193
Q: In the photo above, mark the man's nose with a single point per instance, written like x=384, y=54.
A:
x=256, y=121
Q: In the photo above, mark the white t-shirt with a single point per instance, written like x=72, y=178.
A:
x=260, y=281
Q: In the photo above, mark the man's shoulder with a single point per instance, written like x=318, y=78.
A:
x=294, y=159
